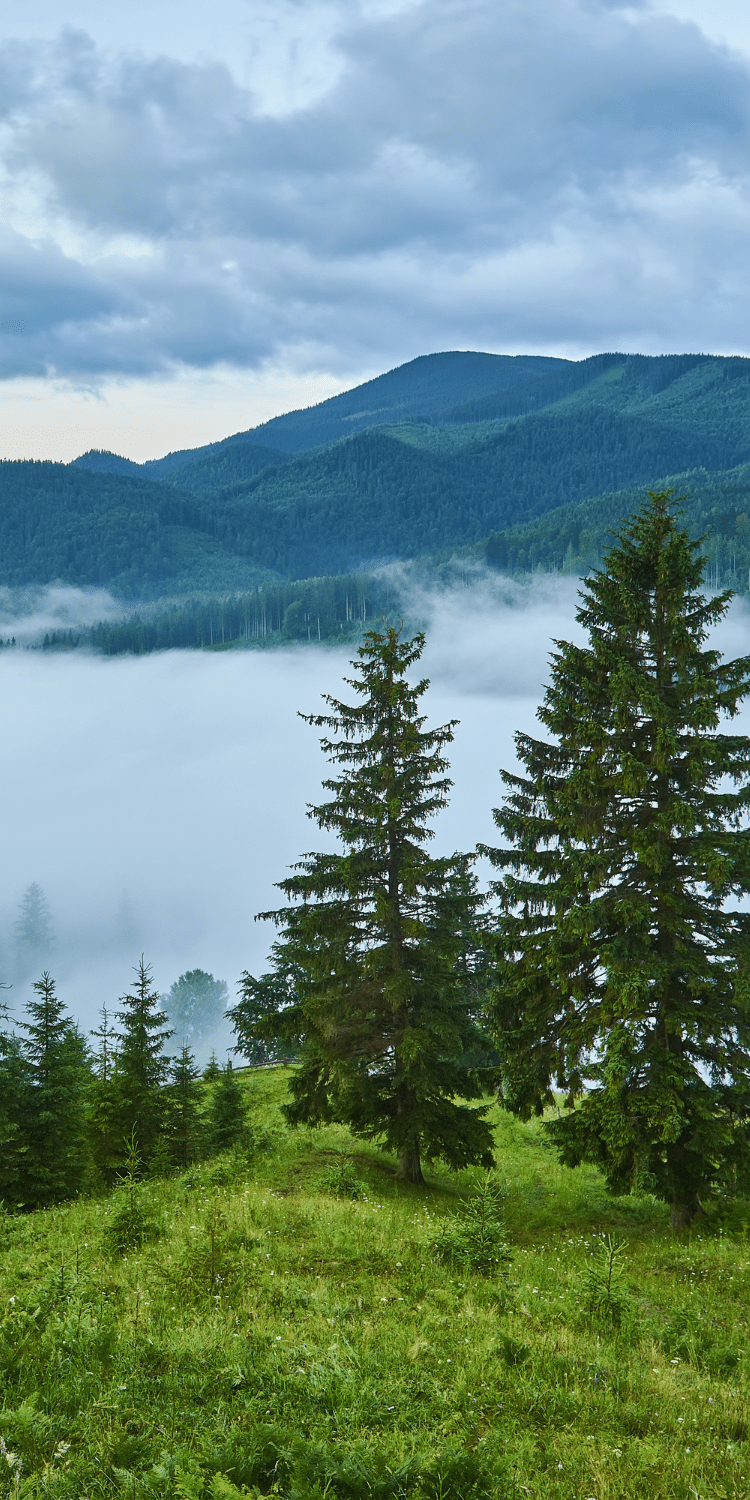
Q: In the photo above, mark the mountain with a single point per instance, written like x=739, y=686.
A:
x=426, y=387
x=437, y=455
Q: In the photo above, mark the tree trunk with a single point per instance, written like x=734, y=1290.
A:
x=409, y=1168
x=683, y=1214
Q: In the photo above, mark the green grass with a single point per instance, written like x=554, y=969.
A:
x=290, y=1329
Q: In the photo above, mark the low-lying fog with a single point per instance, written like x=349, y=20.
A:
x=157, y=800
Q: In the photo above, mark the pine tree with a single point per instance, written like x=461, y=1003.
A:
x=55, y=1158
x=227, y=1111
x=261, y=1014
x=212, y=1069
x=625, y=979
x=105, y=1146
x=33, y=930
x=382, y=1001
x=142, y=1066
x=14, y=1108
x=184, y=1107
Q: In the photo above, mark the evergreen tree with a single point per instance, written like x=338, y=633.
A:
x=102, y=1105
x=624, y=983
x=212, y=1069
x=55, y=1157
x=261, y=1016
x=184, y=1107
x=227, y=1111
x=382, y=1002
x=142, y=1066
x=196, y=1003
x=33, y=929
x=14, y=1101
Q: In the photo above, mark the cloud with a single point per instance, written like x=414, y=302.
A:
x=545, y=174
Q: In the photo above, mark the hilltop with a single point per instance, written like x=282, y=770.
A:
x=439, y=455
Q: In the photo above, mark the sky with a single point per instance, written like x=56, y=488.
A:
x=212, y=214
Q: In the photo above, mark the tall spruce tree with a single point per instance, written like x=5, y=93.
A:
x=185, y=1090
x=624, y=982
x=381, y=998
x=142, y=1066
x=14, y=1092
x=55, y=1136
x=227, y=1111
x=107, y=1150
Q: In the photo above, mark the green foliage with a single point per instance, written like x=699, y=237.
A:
x=184, y=1124
x=278, y=1341
x=227, y=1111
x=131, y=1221
x=102, y=1103
x=266, y=1019
x=341, y=1179
x=142, y=1067
x=195, y=1005
x=552, y=434
x=15, y=1081
x=606, y=1294
x=375, y=936
x=624, y=962
x=55, y=1156
x=476, y=1236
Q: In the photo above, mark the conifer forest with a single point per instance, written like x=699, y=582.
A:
x=463, y=1210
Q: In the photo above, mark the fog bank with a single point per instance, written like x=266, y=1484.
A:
x=156, y=800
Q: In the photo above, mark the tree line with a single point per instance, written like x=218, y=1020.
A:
x=315, y=609
x=605, y=971
x=608, y=972
x=74, y=1116
x=403, y=489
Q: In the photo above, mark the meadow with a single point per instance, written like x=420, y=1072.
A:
x=287, y=1320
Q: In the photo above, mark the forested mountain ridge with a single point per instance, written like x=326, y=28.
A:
x=556, y=435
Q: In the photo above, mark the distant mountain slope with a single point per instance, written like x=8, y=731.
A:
x=573, y=538
x=425, y=387
x=240, y=512
x=406, y=490
x=142, y=539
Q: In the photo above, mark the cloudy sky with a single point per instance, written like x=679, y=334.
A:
x=214, y=213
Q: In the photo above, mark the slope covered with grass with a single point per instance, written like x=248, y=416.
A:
x=288, y=1322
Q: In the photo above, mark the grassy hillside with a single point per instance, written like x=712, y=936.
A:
x=293, y=1325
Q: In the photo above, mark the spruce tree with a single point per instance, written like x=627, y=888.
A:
x=14, y=1108
x=381, y=999
x=55, y=1137
x=185, y=1090
x=106, y=1148
x=227, y=1111
x=33, y=930
x=261, y=1014
x=625, y=954
x=142, y=1066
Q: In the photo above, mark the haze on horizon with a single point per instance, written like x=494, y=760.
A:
x=211, y=216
